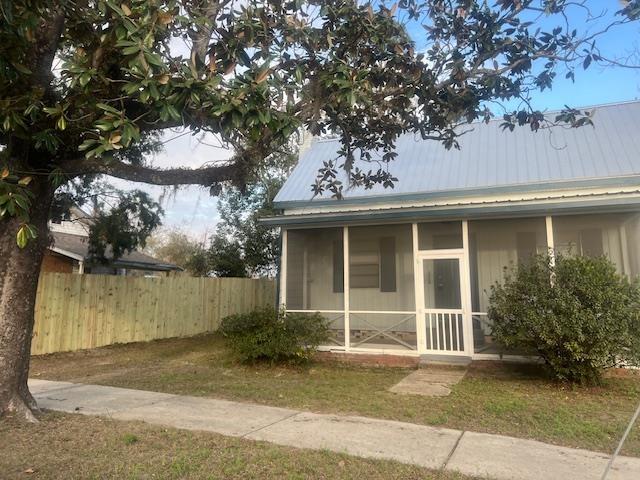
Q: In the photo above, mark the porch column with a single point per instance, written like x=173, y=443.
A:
x=283, y=270
x=550, y=243
x=345, y=281
x=467, y=317
x=421, y=332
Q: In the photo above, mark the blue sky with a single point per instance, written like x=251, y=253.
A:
x=195, y=212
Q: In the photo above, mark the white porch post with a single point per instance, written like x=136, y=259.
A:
x=421, y=333
x=550, y=243
x=467, y=316
x=283, y=270
x=345, y=282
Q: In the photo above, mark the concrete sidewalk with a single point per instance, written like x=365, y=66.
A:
x=478, y=454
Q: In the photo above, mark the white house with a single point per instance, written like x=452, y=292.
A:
x=407, y=271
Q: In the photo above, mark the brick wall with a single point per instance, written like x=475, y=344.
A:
x=369, y=359
x=52, y=262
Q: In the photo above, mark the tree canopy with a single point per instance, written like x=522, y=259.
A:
x=88, y=88
x=87, y=85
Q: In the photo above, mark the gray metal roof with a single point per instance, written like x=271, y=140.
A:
x=492, y=159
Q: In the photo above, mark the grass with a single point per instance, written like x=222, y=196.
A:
x=75, y=446
x=496, y=398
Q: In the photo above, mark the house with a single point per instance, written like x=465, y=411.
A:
x=408, y=270
x=69, y=252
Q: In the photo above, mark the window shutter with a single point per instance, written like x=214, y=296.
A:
x=526, y=246
x=591, y=242
x=387, y=264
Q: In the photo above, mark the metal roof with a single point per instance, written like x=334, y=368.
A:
x=491, y=159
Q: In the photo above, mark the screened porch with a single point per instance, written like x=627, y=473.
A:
x=424, y=287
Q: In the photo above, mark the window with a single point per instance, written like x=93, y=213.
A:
x=364, y=266
x=373, y=264
x=614, y=235
x=381, y=268
x=439, y=235
x=591, y=242
x=526, y=246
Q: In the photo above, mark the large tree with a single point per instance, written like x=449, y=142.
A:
x=86, y=85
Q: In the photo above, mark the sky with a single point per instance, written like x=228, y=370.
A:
x=194, y=211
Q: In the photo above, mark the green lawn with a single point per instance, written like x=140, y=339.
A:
x=78, y=447
x=497, y=398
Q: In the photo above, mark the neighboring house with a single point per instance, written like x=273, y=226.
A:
x=409, y=270
x=69, y=252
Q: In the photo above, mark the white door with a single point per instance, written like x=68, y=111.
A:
x=443, y=304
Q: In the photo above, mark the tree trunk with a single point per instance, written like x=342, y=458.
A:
x=19, y=272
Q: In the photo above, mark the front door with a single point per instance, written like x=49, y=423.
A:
x=442, y=300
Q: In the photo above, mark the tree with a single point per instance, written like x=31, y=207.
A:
x=242, y=246
x=175, y=246
x=86, y=85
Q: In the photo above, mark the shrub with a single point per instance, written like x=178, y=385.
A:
x=267, y=334
x=579, y=315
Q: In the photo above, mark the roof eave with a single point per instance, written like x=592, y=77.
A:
x=505, y=209
x=627, y=180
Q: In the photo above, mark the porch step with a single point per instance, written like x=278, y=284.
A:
x=455, y=360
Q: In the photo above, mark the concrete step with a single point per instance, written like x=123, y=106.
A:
x=453, y=360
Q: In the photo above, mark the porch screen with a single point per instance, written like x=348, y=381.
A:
x=614, y=235
x=314, y=269
x=381, y=287
x=494, y=247
x=439, y=235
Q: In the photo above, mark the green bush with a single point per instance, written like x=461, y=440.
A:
x=579, y=315
x=267, y=334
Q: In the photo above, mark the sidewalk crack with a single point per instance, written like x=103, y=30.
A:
x=455, y=447
x=271, y=424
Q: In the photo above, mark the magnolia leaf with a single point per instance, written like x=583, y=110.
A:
x=22, y=236
x=24, y=181
x=165, y=18
x=263, y=76
x=5, y=173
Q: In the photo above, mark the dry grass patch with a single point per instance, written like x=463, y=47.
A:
x=496, y=398
x=78, y=447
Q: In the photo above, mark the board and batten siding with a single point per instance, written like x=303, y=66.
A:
x=75, y=312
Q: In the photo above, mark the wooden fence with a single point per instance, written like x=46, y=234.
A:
x=74, y=312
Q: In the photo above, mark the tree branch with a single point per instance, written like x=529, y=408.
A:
x=205, y=176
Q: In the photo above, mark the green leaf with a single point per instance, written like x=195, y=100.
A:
x=22, y=237
x=107, y=108
x=87, y=144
